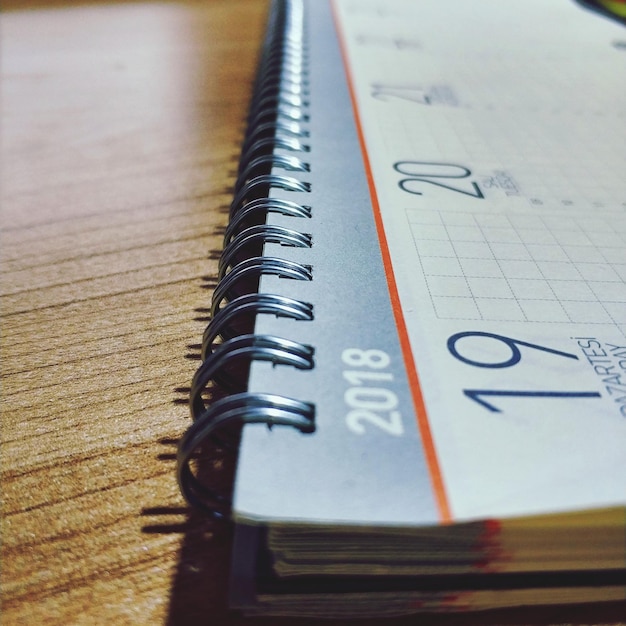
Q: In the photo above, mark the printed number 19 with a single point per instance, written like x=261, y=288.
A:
x=478, y=395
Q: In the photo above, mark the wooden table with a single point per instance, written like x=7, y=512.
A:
x=121, y=125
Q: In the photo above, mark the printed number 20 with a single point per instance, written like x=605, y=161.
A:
x=420, y=172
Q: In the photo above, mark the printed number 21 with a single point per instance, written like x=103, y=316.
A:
x=420, y=172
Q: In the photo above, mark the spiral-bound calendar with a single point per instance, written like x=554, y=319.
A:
x=420, y=323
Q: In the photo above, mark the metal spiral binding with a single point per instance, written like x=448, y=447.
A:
x=283, y=110
x=267, y=145
x=255, y=235
x=261, y=163
x=259, y=186
x=244, y=277
x=249, y=347
x=229, y=321
x=258, y=209
x=241, y=408
x=269, y=129
x=277, y=139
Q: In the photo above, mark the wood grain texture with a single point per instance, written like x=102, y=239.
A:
x=121, y=125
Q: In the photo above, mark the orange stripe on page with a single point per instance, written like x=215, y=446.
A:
x=416, y=391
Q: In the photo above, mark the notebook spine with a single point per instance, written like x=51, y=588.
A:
x=276, y=140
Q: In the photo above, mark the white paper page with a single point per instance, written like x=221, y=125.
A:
x=495, y=136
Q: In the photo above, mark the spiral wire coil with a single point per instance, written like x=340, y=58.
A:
x=277, y=124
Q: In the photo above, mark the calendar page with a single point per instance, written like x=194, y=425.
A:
x=495, y=155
